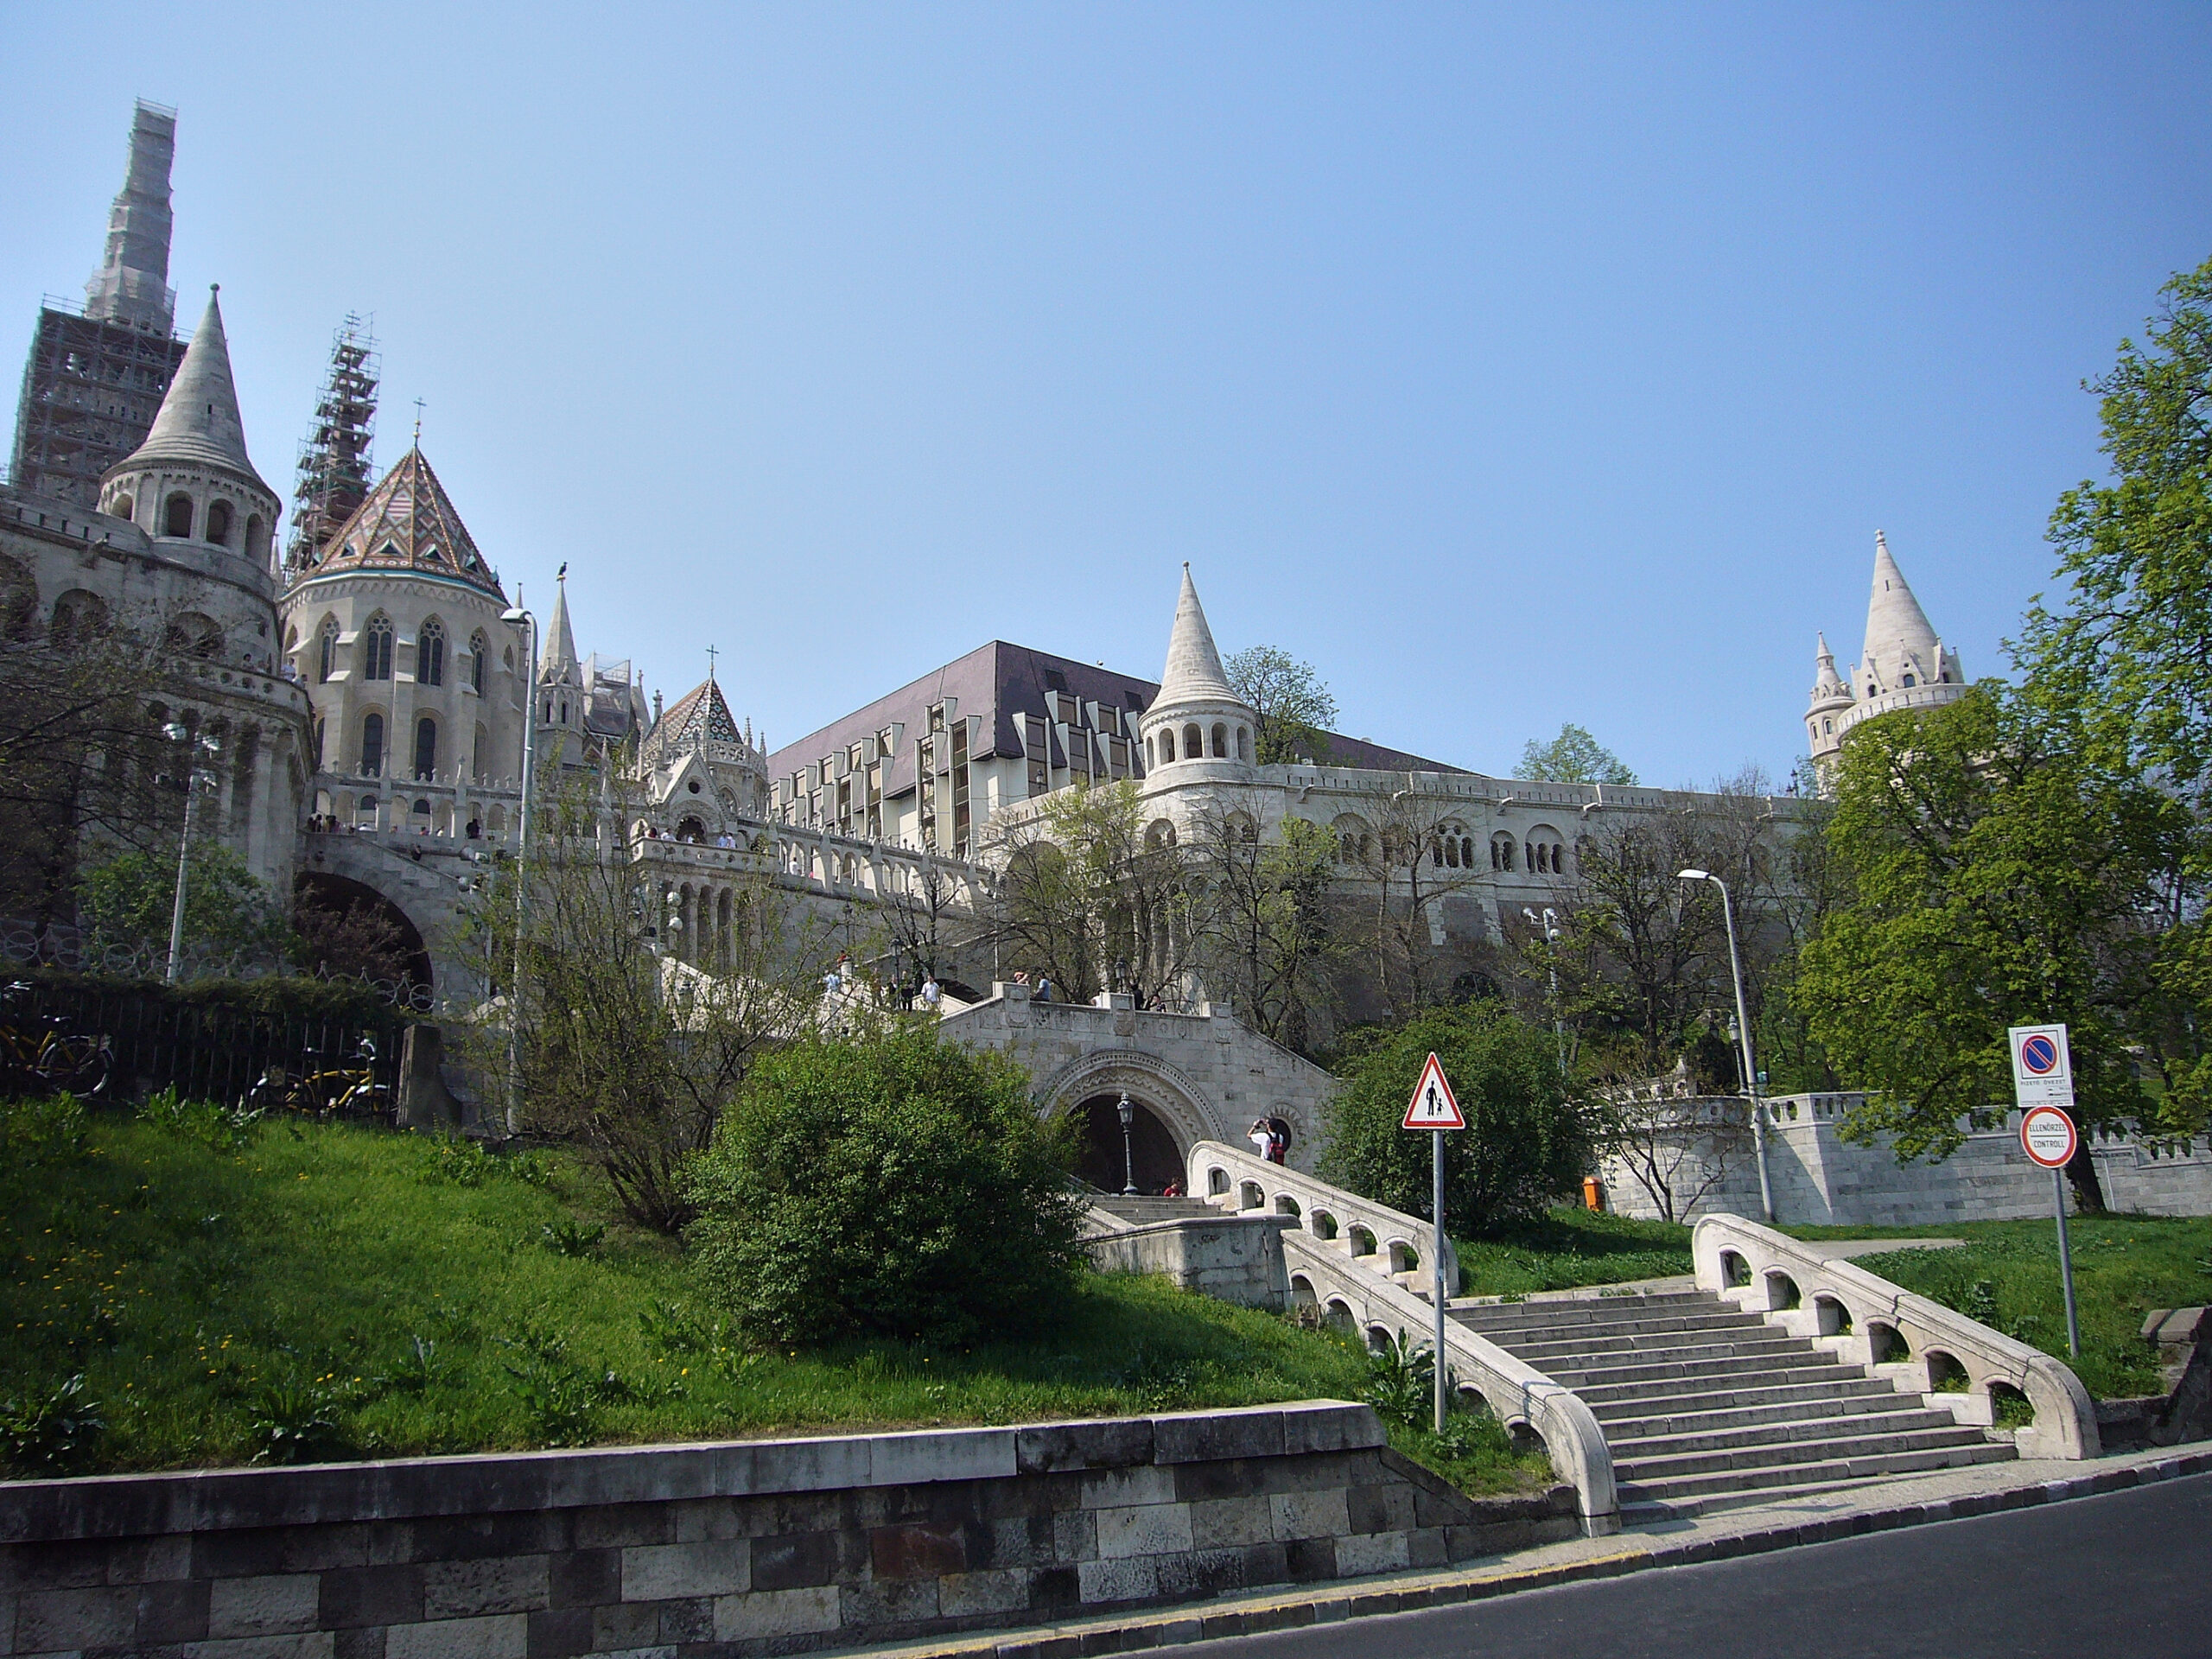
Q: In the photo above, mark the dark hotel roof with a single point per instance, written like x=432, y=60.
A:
x=999, y=681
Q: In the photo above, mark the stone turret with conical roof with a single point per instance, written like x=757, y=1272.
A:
x=1831, y=701
x=1904, y=665
x=192, y=480
x=1198, y=728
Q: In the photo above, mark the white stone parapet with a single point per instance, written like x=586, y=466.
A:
x=1364, y=1289
x=1862, y=1319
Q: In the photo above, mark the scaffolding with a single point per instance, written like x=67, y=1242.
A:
x=91, y=388
x=335, y=463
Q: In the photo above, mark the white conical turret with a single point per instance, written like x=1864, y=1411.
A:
x=192, y=480
x=1196, y=717
x=1831, y=700
x=1904, y=665
x=1902, y=649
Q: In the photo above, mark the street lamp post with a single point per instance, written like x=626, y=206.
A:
x=1550, y=924
x=1744, y=1039
x=195, y=778
x=1127, y=1113
x=522, y=619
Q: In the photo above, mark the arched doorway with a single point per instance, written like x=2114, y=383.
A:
x=351, y=929
x=1099, y=1155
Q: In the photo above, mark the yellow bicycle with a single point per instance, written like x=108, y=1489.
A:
x=324, y=1091
x=39, y=1052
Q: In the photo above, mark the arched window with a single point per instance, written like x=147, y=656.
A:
x=1910, y=682
x=564, y=711
x=125, y=507
x=1167, y=744
x=430, y=655
x=1220, y=742
x=478, y=645
x=376, y=648
x=326, y=650
x=483, y=750
x=1501, y=852
x=79, y=618
x=372, y=745
x=195, y=635
x=1243, y=744
x=1160, y=834
x=218, y=523
x=177, y=516
x=257, y=536
x=426, y=749
x=1827, y=728
x=1194, y=742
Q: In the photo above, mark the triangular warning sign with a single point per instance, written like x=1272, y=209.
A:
x=1433, y=1106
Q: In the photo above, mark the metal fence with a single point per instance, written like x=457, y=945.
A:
x=209, y=1050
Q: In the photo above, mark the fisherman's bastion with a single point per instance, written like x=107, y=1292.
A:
x=380, y=694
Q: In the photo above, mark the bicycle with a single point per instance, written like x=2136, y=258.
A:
x=41, y=1054
x=324, y=1091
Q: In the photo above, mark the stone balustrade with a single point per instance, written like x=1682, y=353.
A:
x=1362, y=1289
x=1920, y=1345
x=1370, y=1235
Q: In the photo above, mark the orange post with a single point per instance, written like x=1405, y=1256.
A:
x=1594, y=1192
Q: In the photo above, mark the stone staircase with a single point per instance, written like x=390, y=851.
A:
x=1706, y=1408
x=1141, y=1212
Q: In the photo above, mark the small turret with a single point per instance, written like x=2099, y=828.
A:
x=192, y=480
x=1197, y=718
x=1831, y=701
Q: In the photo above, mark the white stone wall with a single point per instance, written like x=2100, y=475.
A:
x=1205, y=1076
x=1820, y=1180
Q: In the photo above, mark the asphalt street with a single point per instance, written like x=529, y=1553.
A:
x=2127, y=1575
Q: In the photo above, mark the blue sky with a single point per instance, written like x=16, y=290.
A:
x=1511, y=364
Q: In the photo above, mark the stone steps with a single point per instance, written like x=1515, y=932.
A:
x=1707, y=1406
x=1759, y=1484
x=1634, y=1420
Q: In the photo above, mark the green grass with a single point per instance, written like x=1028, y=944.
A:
x=1570, y=1248
x=276, y=1291
x=2006, y=1275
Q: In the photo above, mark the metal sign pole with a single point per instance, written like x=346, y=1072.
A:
x=2065, y=1262
x=1436, y=1261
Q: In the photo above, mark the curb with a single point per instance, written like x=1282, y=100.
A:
x=1168, y=1628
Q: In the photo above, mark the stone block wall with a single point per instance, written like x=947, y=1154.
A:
x=1819, y=1179
x=1235, y=1258
x=732, y=1549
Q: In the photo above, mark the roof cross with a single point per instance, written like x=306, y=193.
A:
x=418, y=423
x=710, y=662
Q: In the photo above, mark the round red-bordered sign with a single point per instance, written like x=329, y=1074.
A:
x=2039, y=1055
x=2047, y=1136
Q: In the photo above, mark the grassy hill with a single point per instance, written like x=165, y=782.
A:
x=274, y=1291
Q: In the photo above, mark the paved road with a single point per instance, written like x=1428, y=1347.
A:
x=2127, y=1575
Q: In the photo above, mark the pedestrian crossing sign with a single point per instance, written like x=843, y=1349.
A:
x=1433, y=1106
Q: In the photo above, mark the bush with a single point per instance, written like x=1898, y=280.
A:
x=1527, y=1141
x=887, y=1185
x=219, y=1128
x=48, y=1131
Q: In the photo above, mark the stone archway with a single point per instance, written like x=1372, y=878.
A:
x=1101, y=1156
x=354, y=929
x=1169, y=1096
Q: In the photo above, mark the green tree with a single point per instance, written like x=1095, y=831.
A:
x=1272, y=940
x=1294, y=708
x=2124, y=661
x=628, y=1052
x=1990, y=878
x=1528, y=1141
x=1574, y=757
x=889, y=1184
x=1092, y=893
x=130, y=900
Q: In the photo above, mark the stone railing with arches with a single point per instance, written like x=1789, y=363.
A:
x=1361, y=1292
x=1370, y=1236
x=1922, y=1346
